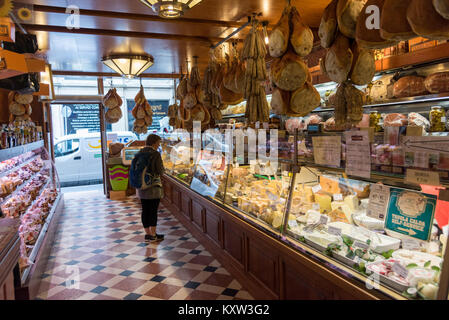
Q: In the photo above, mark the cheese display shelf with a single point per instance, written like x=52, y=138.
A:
x=330, y=217
x=30, y=194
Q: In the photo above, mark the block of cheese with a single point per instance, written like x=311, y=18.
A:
x=338, y=215
x=277, y=220
x=353, y=202
x=310, y=197
x=330, y=185
x=324, y=201
x=342, y=206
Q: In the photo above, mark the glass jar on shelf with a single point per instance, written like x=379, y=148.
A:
x=437, y=119
x=374, y=121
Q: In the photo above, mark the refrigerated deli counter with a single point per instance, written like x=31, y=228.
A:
x=346, y=215
x=31, y=203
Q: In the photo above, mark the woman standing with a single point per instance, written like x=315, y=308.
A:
x=151, y=197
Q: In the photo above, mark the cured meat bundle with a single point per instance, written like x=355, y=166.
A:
x=290, y=41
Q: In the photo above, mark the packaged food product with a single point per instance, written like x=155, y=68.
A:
x=395, y=120
x=437, y=119
x=374, y=121
x=415, y=119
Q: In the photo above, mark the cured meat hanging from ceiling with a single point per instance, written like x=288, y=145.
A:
x=290, y=41
x=347, y=61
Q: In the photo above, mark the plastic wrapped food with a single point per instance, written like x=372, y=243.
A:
x=415, y=119
x=295, y=123
x=382, y=154
x=314, y=119
x=395, y=120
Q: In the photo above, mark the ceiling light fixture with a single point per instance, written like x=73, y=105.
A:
x=129, y=66
x=170, y=9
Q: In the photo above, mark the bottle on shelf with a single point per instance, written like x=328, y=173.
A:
x=437, y=119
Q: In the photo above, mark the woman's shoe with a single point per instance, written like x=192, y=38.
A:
x=159, y=237
x=150, y=238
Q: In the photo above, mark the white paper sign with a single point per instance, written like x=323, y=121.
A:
x=334, y=231
x=410, y=244
x=316, y=188
x=361, y=245
x=429, y=178
x=338, y=197
x=323, y=219
x=327, y=150
x=358, y=154
x=378, y=201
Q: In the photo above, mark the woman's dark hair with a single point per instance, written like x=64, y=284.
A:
x=152, y=139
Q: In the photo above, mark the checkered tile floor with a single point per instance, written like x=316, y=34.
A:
x=99, y=253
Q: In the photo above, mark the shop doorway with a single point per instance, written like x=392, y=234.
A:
x=78, y=144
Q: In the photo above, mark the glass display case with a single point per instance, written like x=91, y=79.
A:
x=178, y=157
x=260, y=192
x=371, y=201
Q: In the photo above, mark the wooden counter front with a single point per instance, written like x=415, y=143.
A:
x=9, y=256
x=267, y=267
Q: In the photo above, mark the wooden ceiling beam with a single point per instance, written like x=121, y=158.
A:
x=120, y=33
x=113, y=74
x=137, y=16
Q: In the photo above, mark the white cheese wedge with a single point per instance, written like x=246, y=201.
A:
x=353, y=202
x=343, y=207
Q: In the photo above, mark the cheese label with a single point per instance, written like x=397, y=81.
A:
x=334, y=231
x=338, y=197
x=316, y=188
x=357, y=259
x=410, y=244
x=323, y=219
x=292, y=223
x=400, y=269
x=361, y=245
x=316, y=206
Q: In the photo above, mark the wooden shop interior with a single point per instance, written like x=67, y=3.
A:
x=357, y=207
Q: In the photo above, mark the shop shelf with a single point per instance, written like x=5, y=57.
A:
x=6, y=154
x=5, y=173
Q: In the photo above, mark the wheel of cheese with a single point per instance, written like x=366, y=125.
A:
x=370, y=38
x=426, y=21
x=442, y=7
x=290, y=72
x=338, y=60
x=302, y=36
x=328, y=25
x=393, y=21
x=347, y=14
x=280, y=35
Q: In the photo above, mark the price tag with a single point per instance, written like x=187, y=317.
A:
x=316, y=206
x=361, y=245
x=292, y=223
x=422, y=177
x=334, y=231
x=411, y=244
x=257, y=125
x=266, y=125
x=338, y=197
x=316, y=188
x=357, y=259
x=400, y=269
x=237, y=186
x=323, y=219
